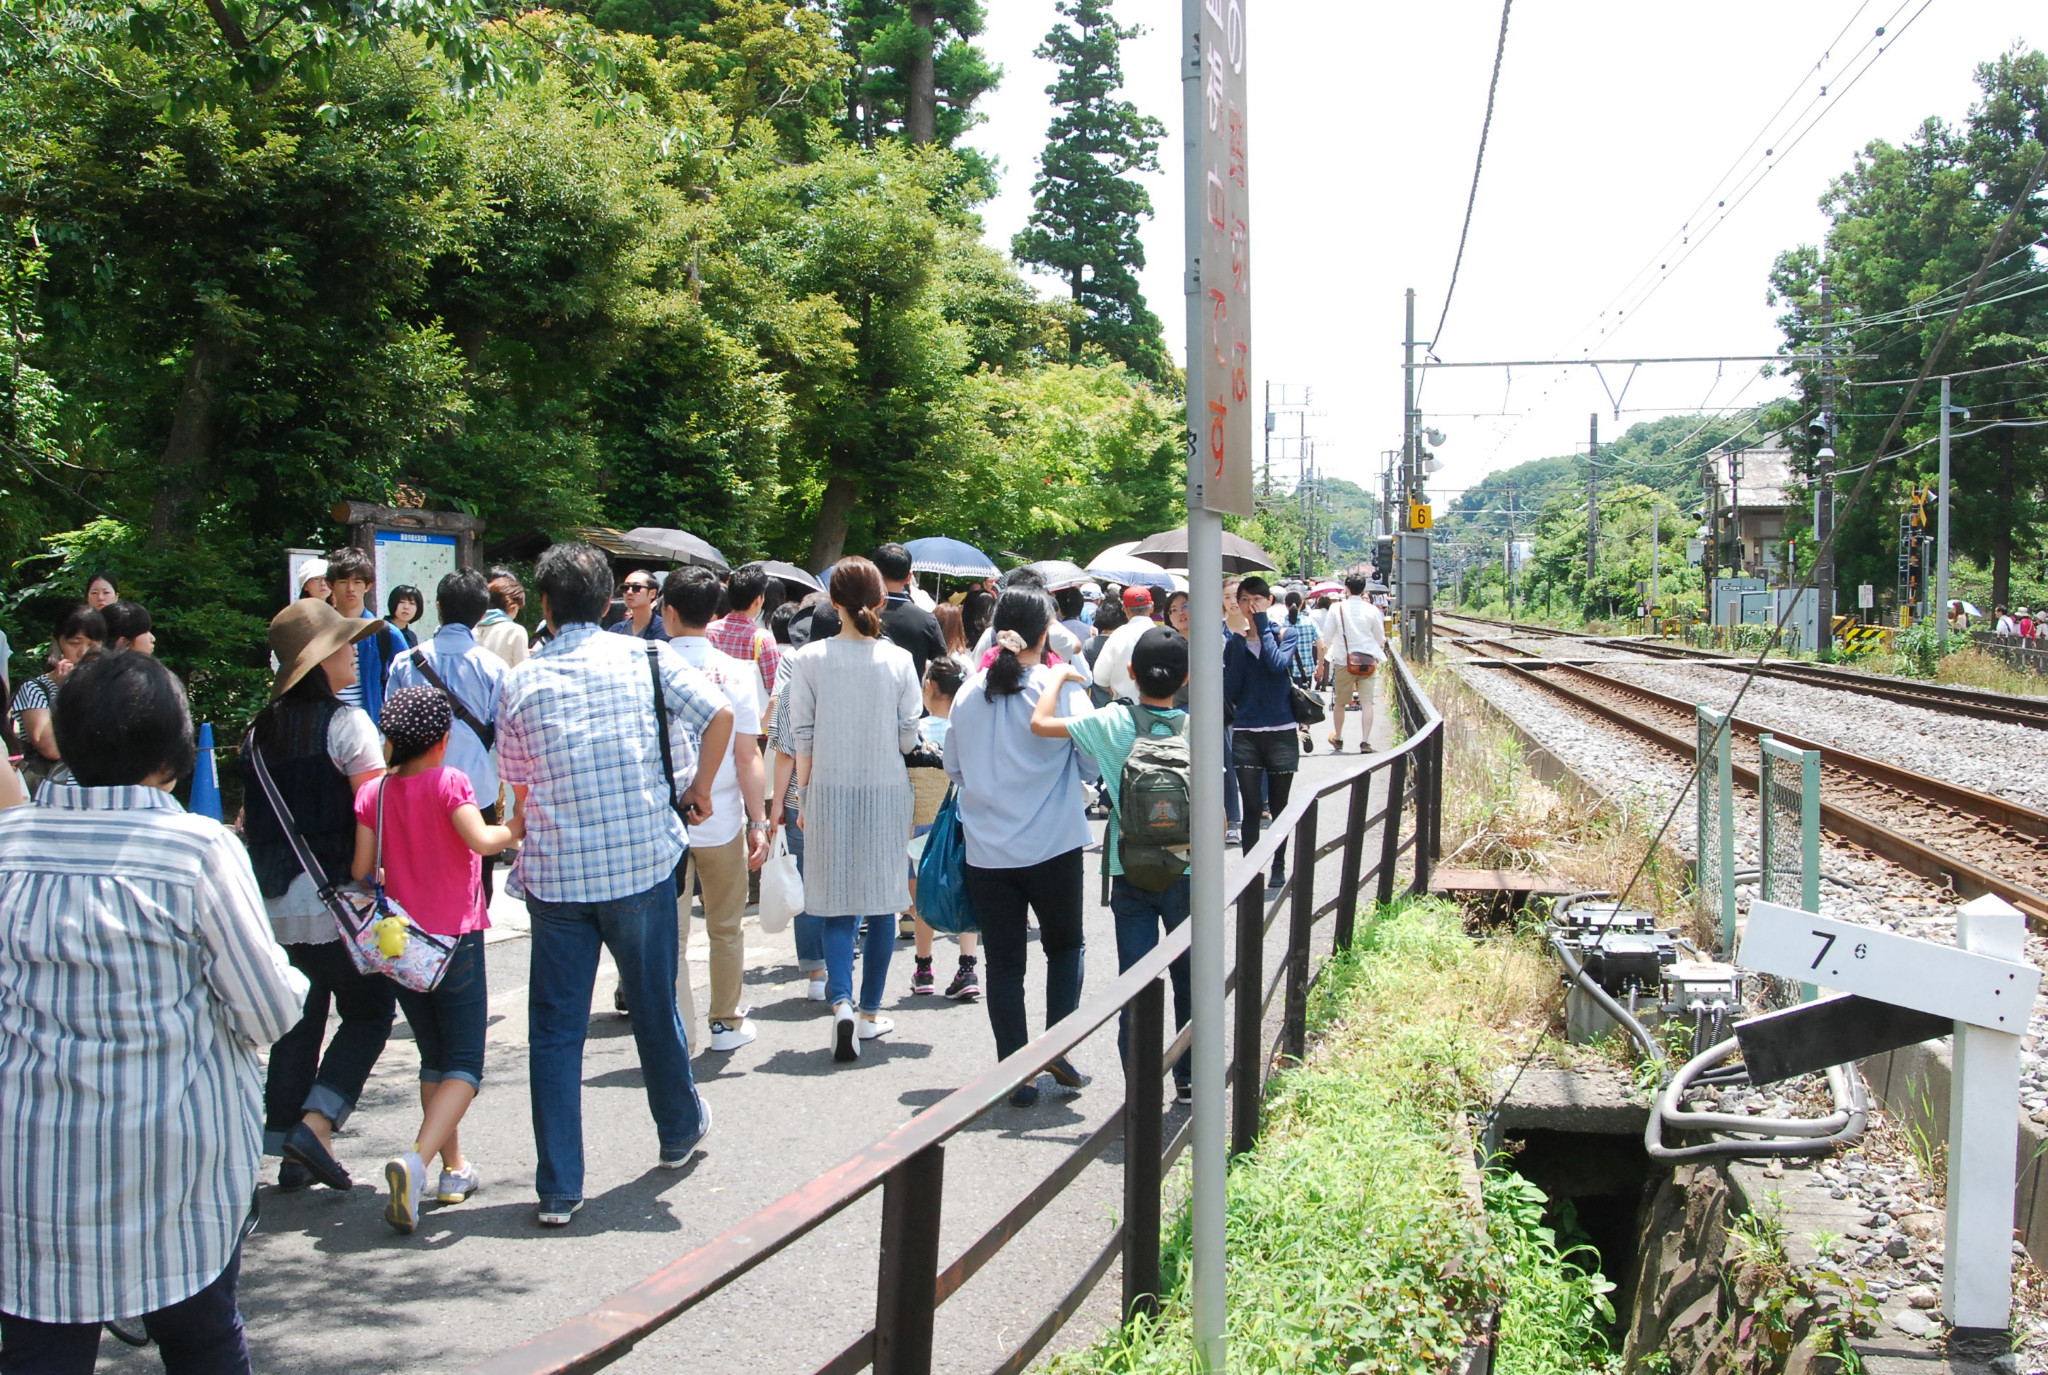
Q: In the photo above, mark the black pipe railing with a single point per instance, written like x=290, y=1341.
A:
x=908, y=1164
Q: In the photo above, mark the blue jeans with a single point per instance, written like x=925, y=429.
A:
x=201, y=1335
x=448, y=1023
x=841, y=934
x=810, y=930
x=1139, y=917
x=640, y=932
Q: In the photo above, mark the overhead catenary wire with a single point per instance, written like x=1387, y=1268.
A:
x=1898, y=421
x=1472, y=197
x=1827, y=97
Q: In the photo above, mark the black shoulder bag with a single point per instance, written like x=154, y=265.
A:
x=487, y=734
x=668, y=766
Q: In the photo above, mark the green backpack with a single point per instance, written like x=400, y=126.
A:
x=1154, y=808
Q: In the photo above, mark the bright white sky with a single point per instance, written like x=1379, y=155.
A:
x=1614, y=119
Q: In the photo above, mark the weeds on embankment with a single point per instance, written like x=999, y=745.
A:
x=1359, y=1237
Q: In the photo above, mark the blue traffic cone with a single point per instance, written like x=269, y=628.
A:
x=205, y=778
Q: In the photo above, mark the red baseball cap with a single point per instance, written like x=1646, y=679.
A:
x=1137, y=596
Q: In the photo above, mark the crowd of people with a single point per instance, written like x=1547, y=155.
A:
x=643, y=748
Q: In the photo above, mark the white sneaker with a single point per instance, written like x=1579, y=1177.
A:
x=454, y=1188
x=871, y=1027
x=816, y=992
x=731, y=1035
x=845, y=1041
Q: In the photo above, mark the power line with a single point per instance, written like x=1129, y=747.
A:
x=1472, y=197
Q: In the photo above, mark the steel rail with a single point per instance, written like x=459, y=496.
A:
x=1967, y=878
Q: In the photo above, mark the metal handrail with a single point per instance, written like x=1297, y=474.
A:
x=906, y=1162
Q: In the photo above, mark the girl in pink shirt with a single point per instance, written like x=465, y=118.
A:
x=434, y=840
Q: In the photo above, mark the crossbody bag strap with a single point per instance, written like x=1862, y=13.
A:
x=668, y=766
x=300, y=849
x=377, y=860
x=488, y=735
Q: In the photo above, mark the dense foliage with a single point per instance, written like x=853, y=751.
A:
x=1910, y=224
x=707, y=281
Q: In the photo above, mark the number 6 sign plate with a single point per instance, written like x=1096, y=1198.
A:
x=1906, y=971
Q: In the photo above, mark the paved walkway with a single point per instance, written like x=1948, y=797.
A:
x=327, y=1287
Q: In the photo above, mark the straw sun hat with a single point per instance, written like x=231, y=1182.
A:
x=305, y=634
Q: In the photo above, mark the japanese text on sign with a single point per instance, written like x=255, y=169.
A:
x=1223, y=357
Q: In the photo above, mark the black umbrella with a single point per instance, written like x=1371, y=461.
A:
x=679, y=545
x=1169, y=549
x=791, y=576
x=1059, y=573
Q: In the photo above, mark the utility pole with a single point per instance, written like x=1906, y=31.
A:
x=1512, y=513
x=1710, y=491
x=1411, y=546
x=1824, y=479
x=1656, y=534
x=1592, y=501
x=1735, y=508
x=1941, y=527
x=1266, y=468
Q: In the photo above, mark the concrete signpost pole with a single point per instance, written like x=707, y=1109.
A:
x=1219, y=445
x=1983, y=1134
x=1984, y=988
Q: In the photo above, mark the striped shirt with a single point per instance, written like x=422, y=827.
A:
x=141, y=980
x=576, y=728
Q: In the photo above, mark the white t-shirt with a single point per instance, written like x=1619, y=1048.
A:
x=740, y=681
x=299, y=917
x=1354, y=626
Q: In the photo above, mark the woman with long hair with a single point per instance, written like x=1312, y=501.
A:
x=853, y=707
x=954, y=627
x=1302, y=622
x=1024, y=814
x=975, y=610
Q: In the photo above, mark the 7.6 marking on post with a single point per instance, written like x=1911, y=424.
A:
x=1884, y=965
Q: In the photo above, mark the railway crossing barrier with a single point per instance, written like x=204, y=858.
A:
x=1899, y=990
x=1714, y=791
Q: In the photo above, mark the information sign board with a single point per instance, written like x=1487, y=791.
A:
x=416, y=558
x=1222, y=430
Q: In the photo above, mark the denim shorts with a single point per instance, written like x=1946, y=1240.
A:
x=448, y=1023
x=1275, y=751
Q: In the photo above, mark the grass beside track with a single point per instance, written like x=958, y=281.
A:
x=1360, y=1239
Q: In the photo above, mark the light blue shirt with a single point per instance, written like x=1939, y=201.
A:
x=474, y=675
x=1021, y=801
x=576, y=727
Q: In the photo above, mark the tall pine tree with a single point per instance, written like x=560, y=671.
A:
x=1085, y=224
x=916, y=74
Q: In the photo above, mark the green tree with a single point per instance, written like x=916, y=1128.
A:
x=1087, y=201
x=1909, y=224
x=915, y=76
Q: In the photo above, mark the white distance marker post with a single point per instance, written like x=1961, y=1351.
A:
x=1987, y=989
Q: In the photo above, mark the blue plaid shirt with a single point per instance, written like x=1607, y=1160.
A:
x=576, y=728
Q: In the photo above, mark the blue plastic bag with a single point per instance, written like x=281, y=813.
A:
x=942, y=873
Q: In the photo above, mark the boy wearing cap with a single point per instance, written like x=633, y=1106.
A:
x=420, y=830
x=1157, y=667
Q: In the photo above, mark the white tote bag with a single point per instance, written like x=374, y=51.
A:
x=782, y=887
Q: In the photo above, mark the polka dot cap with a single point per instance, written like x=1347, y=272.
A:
x=414, y=719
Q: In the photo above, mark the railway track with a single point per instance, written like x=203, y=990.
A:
x=1972, y=842
x=1981, y=706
